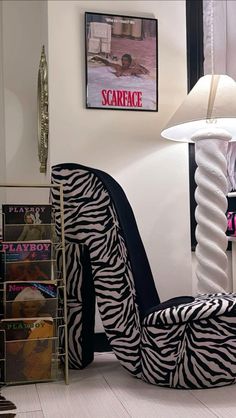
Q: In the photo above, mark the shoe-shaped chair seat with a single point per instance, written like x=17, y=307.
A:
x=185, y=342
x=191, y=345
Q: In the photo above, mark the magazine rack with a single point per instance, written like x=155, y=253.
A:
x=59, y=344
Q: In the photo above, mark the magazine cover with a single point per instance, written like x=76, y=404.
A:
x=2, y=309
x=2, y=371
x=26, y=222
x=2, y=339
x=2, y=266
x=29, y=348
x=28, y=299
x=121, y=62
x=26, y=261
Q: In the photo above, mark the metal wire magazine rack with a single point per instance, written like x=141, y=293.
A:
x=58, y=341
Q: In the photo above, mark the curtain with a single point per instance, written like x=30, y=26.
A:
x=224, y=57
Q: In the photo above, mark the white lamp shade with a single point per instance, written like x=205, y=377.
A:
x=212, y=100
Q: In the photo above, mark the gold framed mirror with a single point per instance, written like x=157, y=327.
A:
x=43, y=118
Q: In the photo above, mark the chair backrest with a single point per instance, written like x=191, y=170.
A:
x=97, y=214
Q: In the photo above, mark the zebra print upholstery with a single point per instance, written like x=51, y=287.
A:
x=80, y=306
x=181, y=343
x=191, y=345
x=90, y=219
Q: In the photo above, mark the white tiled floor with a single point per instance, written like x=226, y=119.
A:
x=105, y=390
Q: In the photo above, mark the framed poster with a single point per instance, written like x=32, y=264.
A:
x=121, y=62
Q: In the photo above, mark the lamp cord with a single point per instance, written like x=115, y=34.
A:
x=214, y=79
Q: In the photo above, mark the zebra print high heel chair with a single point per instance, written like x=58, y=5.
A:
x=185, y=342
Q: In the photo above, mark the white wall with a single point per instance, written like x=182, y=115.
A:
x=2, y=122
x=2, y=118
x=24, y=32
x=153, y=171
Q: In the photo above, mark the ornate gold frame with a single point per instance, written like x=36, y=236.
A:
x=43, y=117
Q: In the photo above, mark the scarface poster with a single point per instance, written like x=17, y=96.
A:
x=121, y=62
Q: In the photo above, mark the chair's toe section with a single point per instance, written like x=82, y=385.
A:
x=199, y=353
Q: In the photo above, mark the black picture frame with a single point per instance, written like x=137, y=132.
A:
x=121, y=58
x=195, y=69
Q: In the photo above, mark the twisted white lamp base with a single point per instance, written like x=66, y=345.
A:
x=210, y=151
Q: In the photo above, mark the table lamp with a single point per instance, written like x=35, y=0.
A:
x=207, y=117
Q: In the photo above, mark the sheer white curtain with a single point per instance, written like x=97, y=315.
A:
x=224, y=55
